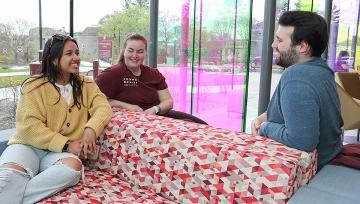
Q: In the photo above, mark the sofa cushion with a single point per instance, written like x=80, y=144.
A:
x=311, y=195
x=339, y=180
x=331, y=185
x=4, y=138
x=103, y=188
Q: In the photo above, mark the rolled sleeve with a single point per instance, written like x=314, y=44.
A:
x=57, y=143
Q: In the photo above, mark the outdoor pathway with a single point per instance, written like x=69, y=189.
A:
x=15, y=74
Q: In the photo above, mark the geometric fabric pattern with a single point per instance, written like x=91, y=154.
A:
x=163, y=159
x=101, y=188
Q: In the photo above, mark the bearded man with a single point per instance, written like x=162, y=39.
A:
x=304, y=111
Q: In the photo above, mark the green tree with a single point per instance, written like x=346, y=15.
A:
x=129, y=3
x=132, y=20
x=5, y=43
x=14, y=34
x=221, y=32
x=304, y=5
x=167, y=25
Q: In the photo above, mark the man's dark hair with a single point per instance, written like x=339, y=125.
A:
x=309, y=27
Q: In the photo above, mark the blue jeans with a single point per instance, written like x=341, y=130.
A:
x=45, y=174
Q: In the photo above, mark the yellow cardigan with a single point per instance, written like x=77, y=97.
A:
x=46, y=121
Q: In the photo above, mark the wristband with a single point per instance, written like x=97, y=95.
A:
x=157, y=109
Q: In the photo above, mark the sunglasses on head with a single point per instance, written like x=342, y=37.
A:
x=59, y=37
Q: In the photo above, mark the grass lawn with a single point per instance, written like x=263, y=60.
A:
x=2, y=70
x=10, y=81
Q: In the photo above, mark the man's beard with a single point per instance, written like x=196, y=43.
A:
x=287, y=58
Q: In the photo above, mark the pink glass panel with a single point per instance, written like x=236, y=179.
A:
x=205, y=70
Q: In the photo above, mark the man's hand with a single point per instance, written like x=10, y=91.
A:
x=88, y=142
x=256, y=123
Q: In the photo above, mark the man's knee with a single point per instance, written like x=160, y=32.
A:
x=13, y=166
x=73, y=163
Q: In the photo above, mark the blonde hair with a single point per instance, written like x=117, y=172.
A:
x=133, y=36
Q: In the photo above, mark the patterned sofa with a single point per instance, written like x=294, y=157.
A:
x=153, y=159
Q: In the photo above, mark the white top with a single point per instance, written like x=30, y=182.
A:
x=66, y=92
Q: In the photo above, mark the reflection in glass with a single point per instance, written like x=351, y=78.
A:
x=203, y=53
x=343, y=34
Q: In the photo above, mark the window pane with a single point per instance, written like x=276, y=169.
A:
x=303, y=5
x=87, y=31
x=342, y=42
x=357, y=54
x=16, y=46
x=203, y=57
x=107, y=23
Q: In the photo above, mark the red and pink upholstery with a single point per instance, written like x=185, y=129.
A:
x=154, y=159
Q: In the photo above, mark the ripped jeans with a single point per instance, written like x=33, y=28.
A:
x=45, y=174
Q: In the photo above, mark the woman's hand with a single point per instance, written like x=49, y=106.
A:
x=119, y=104
x=133, y=107
x=75, y=147
x=151, y=110
x=88, y=142
x=166, y=101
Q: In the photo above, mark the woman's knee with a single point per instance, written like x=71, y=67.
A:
x=13, y=166
x=13, y=179
x=74, y=163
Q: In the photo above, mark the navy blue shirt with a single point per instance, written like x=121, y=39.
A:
x=304, y=112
